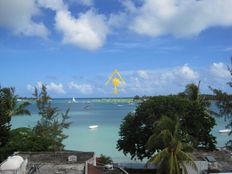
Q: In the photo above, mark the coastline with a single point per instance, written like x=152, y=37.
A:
x=108, y=116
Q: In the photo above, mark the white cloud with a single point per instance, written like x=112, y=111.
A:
x=162, y=81
x=143, y=74
x=17, y=16
x=82, y=88
x=30, y=87
x=185, y=72
x=180, y=74
x=219, y=70
x=88, y=31
x=52, y=4
x=129, y=5
x=118, y=20
x=39, y=84
x=179, y=17
x=56, y=87
x=52, y=87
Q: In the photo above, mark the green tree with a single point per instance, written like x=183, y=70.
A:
x=202, y=115
x=135, y=129
x=192, y=91
x=52, y=122
x=25, y=139
x=8, y=108
x=105, y=159
x=170, y=159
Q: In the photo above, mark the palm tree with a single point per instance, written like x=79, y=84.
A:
x=172, y=157
x=192, y=91
x=8, y=108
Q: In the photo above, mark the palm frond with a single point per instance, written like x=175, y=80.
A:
x=159, y=157
x=21, y=109
x=187, y=159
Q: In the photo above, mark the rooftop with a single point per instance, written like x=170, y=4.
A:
x=223, y=158
x=63, y=162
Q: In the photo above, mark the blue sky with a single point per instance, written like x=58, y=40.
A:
x=72, y=46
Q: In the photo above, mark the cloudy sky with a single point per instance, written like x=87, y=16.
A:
x=72, y=46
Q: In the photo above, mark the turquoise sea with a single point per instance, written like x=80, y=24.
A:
x=108, y=115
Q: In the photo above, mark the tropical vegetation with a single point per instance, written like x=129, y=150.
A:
x=196, y=123
x=52, y=123
x=8, y=108
x=105, y=159
x=46, y=135
x=172, y=159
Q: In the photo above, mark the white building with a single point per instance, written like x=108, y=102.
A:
x=13, y=165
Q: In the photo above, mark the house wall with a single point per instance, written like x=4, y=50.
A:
x=201, y=165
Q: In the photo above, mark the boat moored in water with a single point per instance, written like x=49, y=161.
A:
x=223, y=131
x=93, y=126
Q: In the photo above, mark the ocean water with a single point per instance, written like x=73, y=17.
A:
x=108, y=115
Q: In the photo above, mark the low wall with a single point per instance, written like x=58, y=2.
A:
x=58, y=157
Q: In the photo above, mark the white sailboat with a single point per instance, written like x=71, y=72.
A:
x=74, y=100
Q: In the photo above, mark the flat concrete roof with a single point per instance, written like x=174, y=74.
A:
x=222, y=157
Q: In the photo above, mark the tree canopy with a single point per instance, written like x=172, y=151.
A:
x=196, y=124
x=52, y=122
x=8, y=108
x=47, y=135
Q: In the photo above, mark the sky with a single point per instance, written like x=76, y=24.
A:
x=73, y=46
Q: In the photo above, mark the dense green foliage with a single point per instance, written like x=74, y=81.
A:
x=196, y=123
x=25, y=139
x=172, y=157
x=224, y=103
x=105, y=159
x=8, y=108
x=47, y=135
x=199, y=111
x=52, y=123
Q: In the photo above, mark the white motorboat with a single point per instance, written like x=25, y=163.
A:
x=93, y=126
x=223, y=131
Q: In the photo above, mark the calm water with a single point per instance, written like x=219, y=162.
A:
x=107, y=115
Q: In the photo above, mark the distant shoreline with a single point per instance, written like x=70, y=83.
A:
x=208, y=96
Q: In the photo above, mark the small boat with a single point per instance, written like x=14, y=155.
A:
x=224, y=131
x=74, y=100
x=93, y=126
